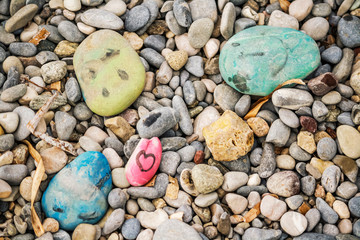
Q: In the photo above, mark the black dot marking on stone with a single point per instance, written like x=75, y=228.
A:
x=102, y=181
x=110, y=53
x=151, y=119
x=105, y=92
x=57, y=209
x=122, y=74
x=255, y=54
x=348, y=18
x=87, y=216
x=235, y=44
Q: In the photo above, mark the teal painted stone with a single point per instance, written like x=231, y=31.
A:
x=256, y=60
x=78, y=193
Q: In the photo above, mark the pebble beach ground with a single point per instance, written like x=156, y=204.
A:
x=289, y=172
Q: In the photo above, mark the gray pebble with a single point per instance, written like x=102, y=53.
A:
x=268, y=162
x=163, y=91
x=344, y=90
x=308, y=185
x=6, y=142
x=187, y=153
x=354, y=206
x=70, y=32
x=46, y=56
x=137, y=18
x=345, y=119
x=82, y=112
x=13, y=78
x=289, y=118
x=153, y=8
x=131, y=229
x=156, y=42
x=226, y=97
x=319, y=111
x=182, y=13
x=278, y=133
x=346, y=190
x=326, y=148
x=189, y=93
x=256, y=233
x=169, y=163
x=355, y=114
x=327, y=213
x=117, y=198
x=72, y=90
x=241, y=165
x=313, y=217
x=23, y=49
x=146, y=205
x=65, y=124
x=114, y=143
x=174, y=82
x=321, y=10
x=268, y=116
x=25, y=115
x=346, y=105
x=100, y=18
x=130, y=146
x=13, y=174
x=255, y=156
x=292, y=98
x=243, y=23
x=243, y=105
x=184, y=165
x=173, y=25
x=114, y=221
x=298, y=153
x=330, y=178
x=200, y=90
x=343, y=69
x=195, y=65
x=152, y=57
x=172, y=143
x=332, y=55
x=61, y=235
x=14, y=93
x=348, y=29
x=157, y=122
x=188, y=212
x=157, y=191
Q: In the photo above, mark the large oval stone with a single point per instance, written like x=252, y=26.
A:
x=256, y=60
x=109, y=71
x=78, y=193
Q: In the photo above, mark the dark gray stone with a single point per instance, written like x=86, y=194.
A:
x=137, y=18
x=23, y=49
x=13, y=174
x=348, y=30
x=131, y=229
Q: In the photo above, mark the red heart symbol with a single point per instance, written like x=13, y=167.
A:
x=143, y=153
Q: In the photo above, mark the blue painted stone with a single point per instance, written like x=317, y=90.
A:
x=78, y=193
x=256, y=60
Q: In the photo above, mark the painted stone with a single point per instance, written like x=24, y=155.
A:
x=144, y=161
x=78, y=193
x=256, y=60
x=109, y=71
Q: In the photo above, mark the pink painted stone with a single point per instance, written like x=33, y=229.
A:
x=144, y=162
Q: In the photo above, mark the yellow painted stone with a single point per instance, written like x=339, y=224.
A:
x=229, y=137
x=321, y=165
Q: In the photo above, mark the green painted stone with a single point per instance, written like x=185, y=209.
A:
x=256, y=60
x=109, y=71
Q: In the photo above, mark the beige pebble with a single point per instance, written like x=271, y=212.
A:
x=209, y=84
x=96, y=134
x=54, y=159
x=341, y=209
x=6, y=158
x=25, y=189
x=182, y=43
x=29, y=95
x=135, y=41
x=119, y=178
x=29, y=32
x=285, y=162
x=211, y=47
x=306, y=141
x=177, y=59
x=12, y=61
x=113, y=158
x=259, y=126
x=5, y=189
x=51, y=225
x=149, y=81
x=345, y=226
x=253, y=199
x=86, y=29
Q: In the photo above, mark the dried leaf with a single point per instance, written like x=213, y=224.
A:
x=39, y=173
x=56, y=85
x=235, y=219
x=151, y=183
x=284, y=4
x=66, y=146
x=255, y=108
x=39, y=36
x=253, y=213
x=173, y=188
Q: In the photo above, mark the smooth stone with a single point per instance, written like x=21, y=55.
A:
x=347, y=30
x=70, y=32
x=72, y=90
x=243, y=105
x=317, y=28
x=53, y=71
x=285, y=184
x=227, y=20
x=114, y=221
x=205, y=200
x=233, y=180
x=131, y=228
x=21, y=17
x=185, y=122
x=156, y=42
x=343, y=69
x=182, y=13
x=226, y=97
x=348, y=166
x=291, y=98
x=272, y=208
x=194, y=66
x=173, y=25
x=110, y=100
x=200, y=32
x=102, y=19
x=83, y=230
x=293, y=223
x=65, y=125
x=72, y=5
x=9, y=121
x=318, y=236
x=205, y=118
x=326, y=148
x=283, y=20
x=25, y=115
x=346, y=190
x=157, y=122
x=313, y=217
x=327, y=213
x=152, y=57
x=332, y=55
x=236, y=203
x=170, y=228
x=323, y=84
x=144, y=162
x=82, y=202
x=354, y=204
x=321, y=10
x=253, y=233
x=278, y=134
x=169, y=162
x=206, y=178
x=13, y=174
x=289, y=118
x=300, y=9
x=203, y=9
x=267, y=161
x=23, y=49
x=347, y=137
x=118, y=7
x=54, y=159
x=137, y=18
x=152, y=220
x=246, y=64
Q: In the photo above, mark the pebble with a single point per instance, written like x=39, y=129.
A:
x=289, y=118
x=171, y=227
x=291, y=98
x=348, y=147
x=131, y=228
x=293, y=223
x=54, y=159
x=347, y=27
x=152, y=220
x=257, y=233
x=21, y=17
x=205, y=118
x=332, y=55
x=327, y=213
x=65, y=125
x=182, y=13
x=200, y=32
x=114, y=221
x=99, y=18
x=84, y=230
x=194, y=66
x=25, y=115
x=137, y=18
x=281, y=19
x=316, y=27
x=272, y=208
x=205, y=200
x=313, y=218
x=53, y=71
x=234, y=180
x=278, y=134
x=23, y=49
x=354, y=206
x=291, y=187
